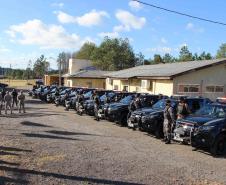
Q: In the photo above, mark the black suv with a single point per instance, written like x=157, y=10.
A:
x=89, y=104
x=152, y=119
x=118, y=111
x=147, y=102
x=185, y=126
x=212, y=134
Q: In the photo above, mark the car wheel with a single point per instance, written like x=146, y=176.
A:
x=219, y=146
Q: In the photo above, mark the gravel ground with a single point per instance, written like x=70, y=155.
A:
x=48, y=145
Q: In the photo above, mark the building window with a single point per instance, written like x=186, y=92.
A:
x=188, y=88
x=210, y=88
x=125, y=88
x=213, y=88
x=219, y=89
x=116, y=87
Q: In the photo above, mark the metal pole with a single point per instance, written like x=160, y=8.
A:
x=60, y=73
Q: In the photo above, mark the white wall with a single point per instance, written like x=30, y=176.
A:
x=76, y=65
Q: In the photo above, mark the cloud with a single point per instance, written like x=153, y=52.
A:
x=161, y=50
x=191, y=27
x=35, y=32
x=134, y=5
x=163, y=40
x=121, y=28
x=3, y=49
x=92, y=18
x=129, y=21
x=108, y=34
x=60, y=5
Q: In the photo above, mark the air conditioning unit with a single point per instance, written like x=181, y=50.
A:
x=145, y=84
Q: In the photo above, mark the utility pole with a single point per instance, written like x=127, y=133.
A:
x=60, y=72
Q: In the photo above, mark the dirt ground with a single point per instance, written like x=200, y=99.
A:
x=50, y=146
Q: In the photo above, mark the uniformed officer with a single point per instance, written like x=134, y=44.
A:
x=21, y=100
x=8, y=102
x=96, y=106
x=14, y=95
x=1, y=102
x=169, y=121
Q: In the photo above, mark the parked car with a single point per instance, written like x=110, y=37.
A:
x=118, y=111
x=185, y=127
x=152, y=119
x=212, y=134
x=103, y=94
x=147, y=102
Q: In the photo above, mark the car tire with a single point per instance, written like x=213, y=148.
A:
x=219, y=146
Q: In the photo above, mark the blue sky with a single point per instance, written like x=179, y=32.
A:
x=31, y=28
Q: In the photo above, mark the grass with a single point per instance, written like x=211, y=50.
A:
x=25, y=84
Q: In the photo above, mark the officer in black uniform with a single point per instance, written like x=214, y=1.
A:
x=96, y=105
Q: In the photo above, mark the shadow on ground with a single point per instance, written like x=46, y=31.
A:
x=8, y=180
x=29, y=115
x=66, y=133
x=25, y=172
x=33, y=124
x=48, y=136
x=13, y=149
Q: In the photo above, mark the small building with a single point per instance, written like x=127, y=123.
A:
x=51, y=79
x=195, y=78
x=86, y=78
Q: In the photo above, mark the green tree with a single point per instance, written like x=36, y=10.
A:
x=221, y=52
x=114, y=54
x=140, y=59
x=41, y=66
x=86, y=51
x=185, y=54
x=167, y=58
x=63, y=58
x=157, y=59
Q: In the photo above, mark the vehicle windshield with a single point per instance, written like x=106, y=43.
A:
x=160, y=104
x=88, y=94
x=53, y=90
x=103, y=97
x=127, y=99
x=212, y=111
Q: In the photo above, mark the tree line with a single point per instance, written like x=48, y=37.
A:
x=111, y=55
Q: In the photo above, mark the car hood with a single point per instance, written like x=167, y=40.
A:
x=200, y=120
x=114, y=105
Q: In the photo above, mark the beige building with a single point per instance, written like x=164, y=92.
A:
x=195, y=78
x=86, y=78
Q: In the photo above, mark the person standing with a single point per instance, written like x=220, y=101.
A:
x=8, y=102
x=1, y=102
x=21, y=100
x=14, y=95
x=169, y=121
x=182, y=109
x=96, y=106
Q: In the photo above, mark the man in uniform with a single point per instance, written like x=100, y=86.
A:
x=8, y=102
x=169, y=121
x=14, y=95
x=1, y=102
x=21, y=100
x=96, y=105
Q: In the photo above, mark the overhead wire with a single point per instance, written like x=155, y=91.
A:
x=180, y=13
